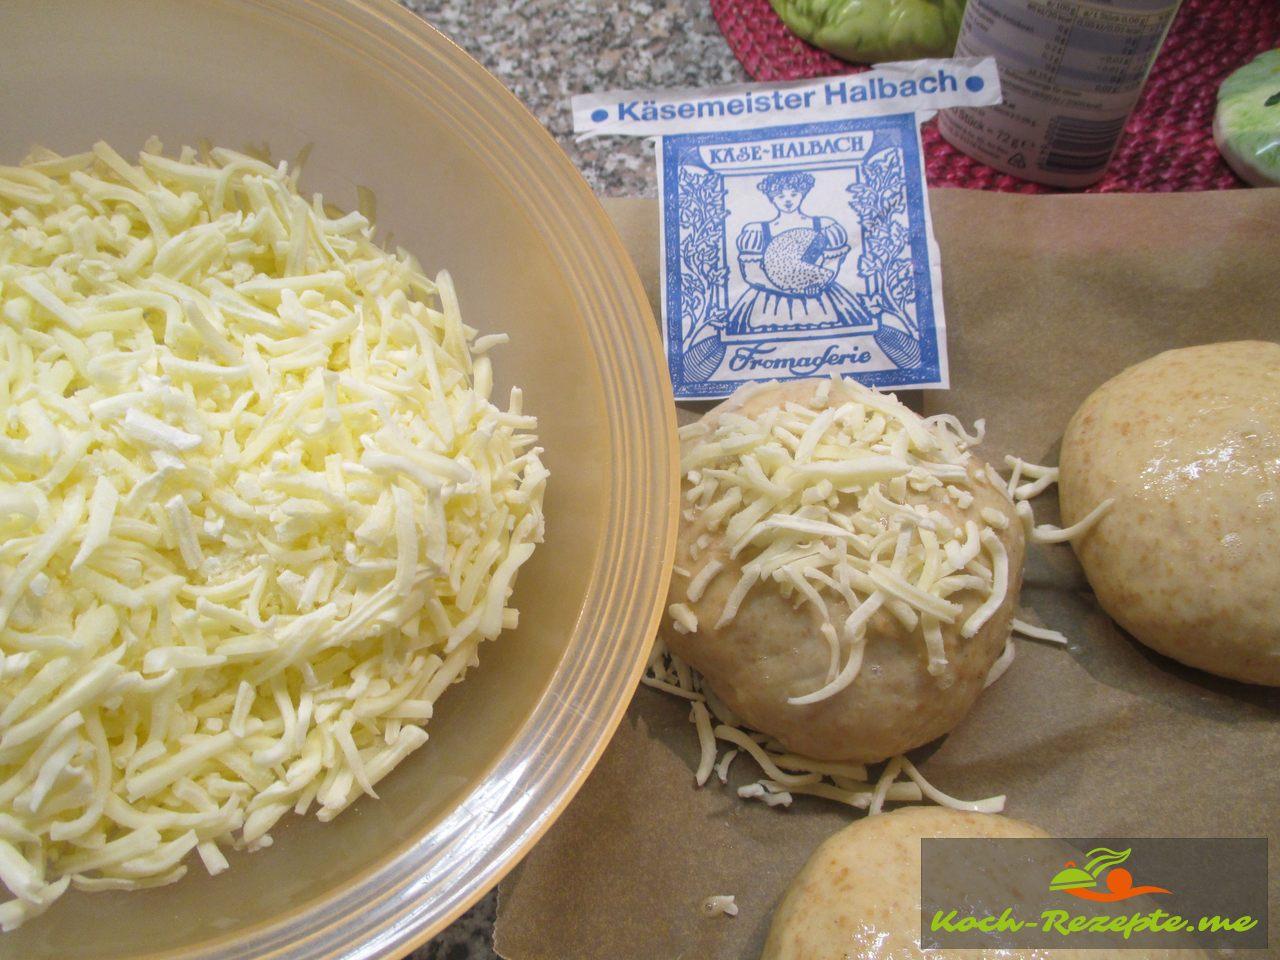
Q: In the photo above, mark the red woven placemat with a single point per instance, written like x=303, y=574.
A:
x=1168, y=142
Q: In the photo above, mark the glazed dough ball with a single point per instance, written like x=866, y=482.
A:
x=858, y=897
x=774, y=649
x=1188, y=444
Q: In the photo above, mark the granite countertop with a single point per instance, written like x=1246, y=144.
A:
x=545, y=51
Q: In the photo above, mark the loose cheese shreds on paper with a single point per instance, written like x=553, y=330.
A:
x=257, y=511
x=1045, y=477
x=787, y=774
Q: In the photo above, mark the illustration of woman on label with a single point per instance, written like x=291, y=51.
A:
x=790, y=264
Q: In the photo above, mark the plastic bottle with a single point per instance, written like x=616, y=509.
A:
x=1071, y=72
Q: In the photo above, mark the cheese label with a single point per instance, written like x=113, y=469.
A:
x=799, y=251
x=796, y=239
x=911, y=86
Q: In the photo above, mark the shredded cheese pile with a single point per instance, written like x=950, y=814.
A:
x=257, y=511
x=826, y=503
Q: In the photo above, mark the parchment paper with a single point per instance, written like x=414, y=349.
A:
x=1046, y=297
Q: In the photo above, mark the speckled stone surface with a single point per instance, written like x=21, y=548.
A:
x=545, y=51
x=469, y=938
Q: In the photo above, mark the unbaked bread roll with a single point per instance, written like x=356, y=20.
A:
x=758, y=461
x=858, y=897
x=1188, y=444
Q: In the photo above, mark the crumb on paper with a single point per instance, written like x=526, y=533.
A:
x=720, y=905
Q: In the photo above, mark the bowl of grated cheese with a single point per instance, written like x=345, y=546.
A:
x=325, y=384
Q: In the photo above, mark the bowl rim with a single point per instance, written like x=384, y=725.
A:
x=394, y=906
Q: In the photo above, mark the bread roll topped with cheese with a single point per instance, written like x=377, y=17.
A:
x=858, y=897
x=846, y=571
x=1187, y=444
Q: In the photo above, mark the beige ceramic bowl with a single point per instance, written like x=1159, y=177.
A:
x=465, y=178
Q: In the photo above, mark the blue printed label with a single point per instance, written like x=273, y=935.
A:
x=799, y=251
x=917, y=86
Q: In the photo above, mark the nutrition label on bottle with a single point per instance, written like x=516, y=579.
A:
x=1071, y=72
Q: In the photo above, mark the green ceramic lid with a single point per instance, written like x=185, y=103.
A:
x=872, y=31
x=1246, y=126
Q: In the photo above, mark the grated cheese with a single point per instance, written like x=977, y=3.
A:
x=725, y=762
x=1039, y=633
x=683, y=619
x=1045, y=477
x=698, y=584
x=888, y=777
x=990, y=805
x=258, y=510
x=1047, y=533
x=720, y=905
x=706, y=739
x=1042, y=478
x=766, y=792
x=1003, y=662
x=786, y=774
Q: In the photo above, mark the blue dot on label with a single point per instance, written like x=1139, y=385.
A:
x=601, y=115
x=972, y=84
